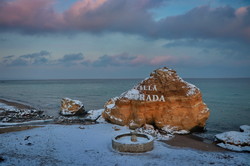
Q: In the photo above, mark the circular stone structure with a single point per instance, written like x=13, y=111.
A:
x=133, y=142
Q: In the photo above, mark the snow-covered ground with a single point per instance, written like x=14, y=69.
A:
x=91, y=145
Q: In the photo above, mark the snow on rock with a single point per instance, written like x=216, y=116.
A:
x=234, y=140
x=149, y=129
x=245, y=128
x=11, y=114
x=91, y=145
x=94, y=114
x=174, y=130
x=71, y=107
x=132, y=94
x=162, y=99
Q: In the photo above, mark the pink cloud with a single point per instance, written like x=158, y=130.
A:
x=126, y=16
x=140, y=59
x=241, y=11
x=84, y=6
x=32, y=15
x=159, y=60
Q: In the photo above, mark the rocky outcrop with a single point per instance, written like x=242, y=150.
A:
x=234, y=140
x=13, y=112
x=164, y=100
x=71, y=107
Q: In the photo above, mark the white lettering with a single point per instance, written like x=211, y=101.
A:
x=162, y=98
x=148, y=98
x=154, y=88
x=148, y=88
x=141, y=89
x=142, y=97
x=155, y=97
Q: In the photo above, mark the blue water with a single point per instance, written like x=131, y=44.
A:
x=228, y=99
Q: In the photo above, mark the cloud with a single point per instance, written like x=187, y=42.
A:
x=205, y=22
x=43, y=58
x=230, y=49
x=29, y=16
x=126, y=16
x=125, y=59
x=38, y=58
x=71, y=59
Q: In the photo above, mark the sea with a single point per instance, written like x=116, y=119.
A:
x=228, y=99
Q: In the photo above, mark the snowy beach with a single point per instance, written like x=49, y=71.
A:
x=24, y=143
x=91, y=145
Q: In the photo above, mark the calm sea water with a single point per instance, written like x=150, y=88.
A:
x=228, y=99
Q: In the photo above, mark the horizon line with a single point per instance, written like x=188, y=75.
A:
x=51, y=79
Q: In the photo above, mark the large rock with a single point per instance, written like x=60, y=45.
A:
x=164, y=100
x=71, y=107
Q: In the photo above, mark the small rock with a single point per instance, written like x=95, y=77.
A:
x=93, y=115
x=245, y=128
x=71, y=107
x=234, y=140
x=29, y=144
x=1, y=159
x=116, y=128
x=27, y=137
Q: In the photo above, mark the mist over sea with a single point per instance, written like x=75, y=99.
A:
x=227, y=99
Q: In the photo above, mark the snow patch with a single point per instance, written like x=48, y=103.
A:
x=234, y=147
x=110, y=106
x=74, y=101
x=191, y=88
x=154, y=132
x=94, y=114
x=67, y=112
x=245, y=128
x=205, y=111
x=132, y=94
x=127, y=140
x=234, y=137
x=174, y=130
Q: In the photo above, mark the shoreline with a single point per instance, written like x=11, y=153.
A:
x=16, y=104
x=178, y=141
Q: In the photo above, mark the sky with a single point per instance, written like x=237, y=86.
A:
x=84, y=39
